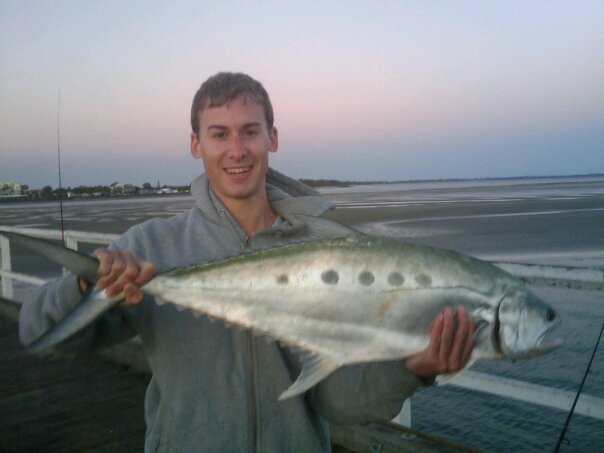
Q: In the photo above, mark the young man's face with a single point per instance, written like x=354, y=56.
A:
x=234, y=142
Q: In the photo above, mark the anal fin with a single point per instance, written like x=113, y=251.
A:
x=314, y=369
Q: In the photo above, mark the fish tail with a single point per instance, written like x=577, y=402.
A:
x=82, y=265
x=91, y=308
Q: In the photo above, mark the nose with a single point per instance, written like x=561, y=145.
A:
x=237, y=150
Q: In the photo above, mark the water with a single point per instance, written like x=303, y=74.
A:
x=498, y=424
x=549, y=221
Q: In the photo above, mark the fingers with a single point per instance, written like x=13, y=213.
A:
x=125, y=269
x=469, y=346
x=147, y=272
x=132, y=295
x=435, y=334
x=446, y=340
x=459, y=340
x=121, y=271
x=450, y=346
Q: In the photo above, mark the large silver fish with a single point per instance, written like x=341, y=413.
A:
x=348, y=300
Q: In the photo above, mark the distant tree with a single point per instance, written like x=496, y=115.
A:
x=24, y=187
x=147, y=186
x=46, y=192
x=61, y=192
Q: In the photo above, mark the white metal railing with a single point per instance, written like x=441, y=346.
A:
x=72, y=240
x=539, y=275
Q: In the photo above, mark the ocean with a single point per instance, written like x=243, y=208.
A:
x=536, y=220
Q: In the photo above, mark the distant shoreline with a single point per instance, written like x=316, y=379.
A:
x=316, y=183
x=339, y=183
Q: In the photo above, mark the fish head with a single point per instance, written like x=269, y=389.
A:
x=525, y=326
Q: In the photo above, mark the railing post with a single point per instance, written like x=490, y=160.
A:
x=6, y=265
x=70, y=243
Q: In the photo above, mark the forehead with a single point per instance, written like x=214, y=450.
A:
x=232, y=114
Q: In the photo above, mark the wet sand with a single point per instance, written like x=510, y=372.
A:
x=558, y=221
x=567, y=232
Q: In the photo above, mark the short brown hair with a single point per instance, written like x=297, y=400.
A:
x=224, y=87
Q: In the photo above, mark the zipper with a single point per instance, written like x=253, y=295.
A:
x=254, y=436
x=254, y=397
x=236, y=230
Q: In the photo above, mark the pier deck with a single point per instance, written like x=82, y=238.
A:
x=61, y=403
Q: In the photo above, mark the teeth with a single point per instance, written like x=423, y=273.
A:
x=235, y=171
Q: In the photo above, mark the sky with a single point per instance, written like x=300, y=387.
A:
x=362, y=90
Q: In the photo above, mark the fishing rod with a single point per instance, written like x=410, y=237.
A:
x=59, y=158
x=572, y=409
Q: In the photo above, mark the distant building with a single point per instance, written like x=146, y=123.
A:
x=11, y=190
x=122, y=189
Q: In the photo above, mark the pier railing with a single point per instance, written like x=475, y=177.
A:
x=590, y=279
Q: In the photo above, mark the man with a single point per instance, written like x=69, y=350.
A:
x=215, y=388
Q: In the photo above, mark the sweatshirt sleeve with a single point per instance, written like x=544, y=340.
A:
x=366, y=393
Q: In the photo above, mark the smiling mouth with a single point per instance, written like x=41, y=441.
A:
x=237, y=170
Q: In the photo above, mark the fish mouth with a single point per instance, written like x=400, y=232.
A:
x=549, y=340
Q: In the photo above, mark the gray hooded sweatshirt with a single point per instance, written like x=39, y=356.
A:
x=216, y=388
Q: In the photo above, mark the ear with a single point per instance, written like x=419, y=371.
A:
x=274, y=140
x=196, y=151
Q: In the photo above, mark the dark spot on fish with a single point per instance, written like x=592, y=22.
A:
x=366, y=278
x=330, y=277
x=423, y=280
x=550, y=315
x=395, y=279
x=283, y=279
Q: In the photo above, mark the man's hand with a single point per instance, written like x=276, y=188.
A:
x=450, y=345
x=121, y=271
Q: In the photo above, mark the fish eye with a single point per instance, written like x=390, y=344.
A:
x=550, y=315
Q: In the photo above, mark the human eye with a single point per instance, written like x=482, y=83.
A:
x=219, y=135
x=251, y=132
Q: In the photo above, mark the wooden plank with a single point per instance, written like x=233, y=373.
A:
x=82, y=427
x=63, y=398
x=66, y=403
x=22, y=372
x=390, y=438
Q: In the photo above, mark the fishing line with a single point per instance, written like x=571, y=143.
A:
x=59, y=157
x=572, y=409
